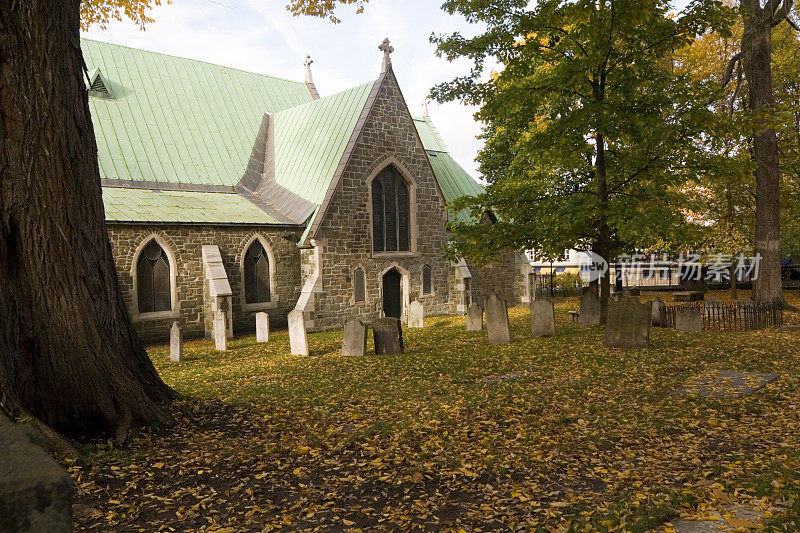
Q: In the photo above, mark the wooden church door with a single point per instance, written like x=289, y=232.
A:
x=392, y=294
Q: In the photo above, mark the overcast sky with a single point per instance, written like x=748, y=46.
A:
x=261, y=36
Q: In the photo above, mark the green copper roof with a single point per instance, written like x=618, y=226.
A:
x=431, y=140
x=145, y=205
x=310, y=141
x=453, y=179
x=178, y=120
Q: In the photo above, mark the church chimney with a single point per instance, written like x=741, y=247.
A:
x=309, y=78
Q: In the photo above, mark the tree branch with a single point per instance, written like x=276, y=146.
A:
x=726, y=78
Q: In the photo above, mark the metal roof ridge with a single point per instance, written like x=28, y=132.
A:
x=324, y=98
x=193, y=60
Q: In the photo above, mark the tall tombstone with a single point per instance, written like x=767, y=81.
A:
x=474, y=317
x=497, y=320
x=354, y=338
x=388, y=333
x=416, y=315
x=658, y=313
x=220, y=331
x=543, y=318
x=628, y=323
x=590, y=309
x=262, y=327
x=298, y=339
x=175, y=343
x=688, y=319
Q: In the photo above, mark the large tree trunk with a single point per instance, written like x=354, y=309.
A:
x=756, y=63
x=68, y=353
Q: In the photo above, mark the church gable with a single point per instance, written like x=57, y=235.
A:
x=385, y=138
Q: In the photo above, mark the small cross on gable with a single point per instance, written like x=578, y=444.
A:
x=387, y=50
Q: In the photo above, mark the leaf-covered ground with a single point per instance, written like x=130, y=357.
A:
x=548, y=434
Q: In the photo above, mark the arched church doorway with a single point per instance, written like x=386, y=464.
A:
x=392, y=294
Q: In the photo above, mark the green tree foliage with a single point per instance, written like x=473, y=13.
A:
x=589, y=126
x=725, y=190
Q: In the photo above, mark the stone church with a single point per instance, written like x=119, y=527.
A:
x=226, y=190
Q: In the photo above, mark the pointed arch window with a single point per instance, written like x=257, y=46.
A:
x=390, y=212
x=256, y=274
x=154, y=288
x=427, y=280
x=360, y=285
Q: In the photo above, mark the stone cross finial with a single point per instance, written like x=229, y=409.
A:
x=307, y=63
x=425, y=108
x=387, y=50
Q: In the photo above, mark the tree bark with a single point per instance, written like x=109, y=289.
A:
x=603, y=243
x=68, y=353
x=756, y=63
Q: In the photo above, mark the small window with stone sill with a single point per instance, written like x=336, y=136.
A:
x=427, y=280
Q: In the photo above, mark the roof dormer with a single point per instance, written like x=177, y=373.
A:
x=98, y=85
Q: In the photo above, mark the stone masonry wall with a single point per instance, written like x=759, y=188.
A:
x=185, y=243
x=388, y=136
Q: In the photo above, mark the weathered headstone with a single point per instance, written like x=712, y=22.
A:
x=726, y=383
x=298, y=339
x=543, y=320
x=659, y=313
x=688, y=319
x=497, y=320
x=220, y=331
x=175, y=343
x=416, y=315
x=590, y=309
x=35, y=492
x=262, y=327
x=628, y=323
x=474, y=317
x=354, y=338
x=388, y=334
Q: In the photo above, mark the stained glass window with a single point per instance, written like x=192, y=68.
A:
x=256, y=275
x=153, y=279
x=390, y=212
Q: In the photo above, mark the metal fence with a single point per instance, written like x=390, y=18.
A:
x=744, y=315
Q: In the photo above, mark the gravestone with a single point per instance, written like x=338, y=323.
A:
x=543, y=320
x=590, y=309
x=688, y=319
x=175, y=344
x=416, y=315
x=35, y=492
x=497, y=320
x=474, y=317
x=354, y=338
x=220, y=331
x=628, y=323
x=298, y=340
x=659, y=313
x=388, y=334
x=726, y=383
x=262, y=327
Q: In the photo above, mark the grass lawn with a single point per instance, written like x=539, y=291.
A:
x=546, y=434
